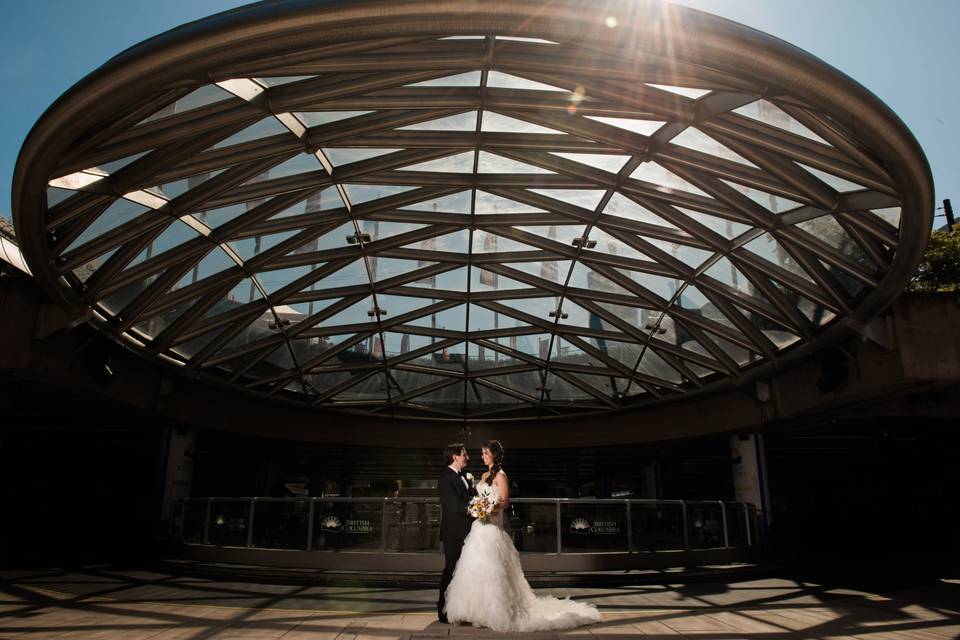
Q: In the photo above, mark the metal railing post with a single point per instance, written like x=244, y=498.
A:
x=310, y=513
x=686, y=532
x=383, y=525
x=746, y=522
x=183, y=516
x=629, y=527
x=253, y=503
x=206, y=522
x=726, y=535
x=559, y=532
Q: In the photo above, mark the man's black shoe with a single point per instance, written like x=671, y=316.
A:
x=442, y=618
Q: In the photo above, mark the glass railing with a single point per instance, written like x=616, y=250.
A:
x=404, y=525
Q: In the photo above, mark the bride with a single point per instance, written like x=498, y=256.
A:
x=488, y=588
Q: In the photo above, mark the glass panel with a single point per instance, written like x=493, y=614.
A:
x=494, y=122
x=264, y=128
x=482, y=396
x=152, y=327
x=171, y=190
x=606, y=243
x=56, y=195
x=281, y=524
x=197, y=98
x=318, y=118
x=693, y=138
x=608, y=386
x=489, y=203
x=460, y=122
x=836, y=182
x=191, y=347
x=604, y=162
x=116, y=165
x=626, y=353
x=767, y=247
x=456, y=203
x=342, y=156
x=652, y=364
x=727, y=228
x=705, y=524
x=359, y=193
x=356, y=314
x=769, y=113
x=371, y=389
x=724, y=271
x=193, y=520
x=774, y=332
x=584, y=198
x=492, y=163
x=623, y=207
x=173, y=236
x=688, y=92
x=690, y=256
x=120, y=212
x=353, y=274
x=526, y=382
x=247, y=248
x=891, y=215
x=277, y=81
x=228, y=522
x=659, y=285
x=586, y=278
x=533, y=526
x=498, y=79
x=560, y=390
x=448, y=398
x=412, y=525
x=459, y=163
x=657, y=526
x=656, y=174
x=353, y=525
x=468, y=79
x=770, y=201
x=643, y=127
x=826, y=228
x=587, y=528
x=454, y=319
x=848, y=282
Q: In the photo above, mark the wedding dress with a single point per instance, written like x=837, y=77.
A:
x=488, y=588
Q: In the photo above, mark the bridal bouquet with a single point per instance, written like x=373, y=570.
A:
x=481, y=506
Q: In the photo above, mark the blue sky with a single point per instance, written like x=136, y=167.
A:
x=905, y=52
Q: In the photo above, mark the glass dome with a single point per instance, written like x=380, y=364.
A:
x=464, y=220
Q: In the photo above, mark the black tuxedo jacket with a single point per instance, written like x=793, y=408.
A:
x=454, y=499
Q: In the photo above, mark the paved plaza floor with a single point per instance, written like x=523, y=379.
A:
x=107, y=603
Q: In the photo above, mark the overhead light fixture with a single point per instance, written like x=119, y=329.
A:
x=358, y=237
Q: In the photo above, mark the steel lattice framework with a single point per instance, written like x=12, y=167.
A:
x=472, y=211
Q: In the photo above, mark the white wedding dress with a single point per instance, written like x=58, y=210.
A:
x=488, y=588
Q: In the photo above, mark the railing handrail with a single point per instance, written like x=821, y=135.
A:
x=687, y=518
x=434, y=499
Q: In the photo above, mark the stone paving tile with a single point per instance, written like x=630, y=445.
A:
x=106, y=605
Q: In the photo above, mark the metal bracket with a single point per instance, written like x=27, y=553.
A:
x=52, y=319
x=880, y=332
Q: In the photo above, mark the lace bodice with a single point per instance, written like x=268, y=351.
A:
x=485, y=489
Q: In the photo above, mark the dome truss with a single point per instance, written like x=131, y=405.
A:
x=472, y=226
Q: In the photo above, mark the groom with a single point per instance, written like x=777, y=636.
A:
x=455, y=492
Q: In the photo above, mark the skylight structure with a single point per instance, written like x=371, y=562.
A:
x=471, y=214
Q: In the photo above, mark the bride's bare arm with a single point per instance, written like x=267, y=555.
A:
x=503, y=490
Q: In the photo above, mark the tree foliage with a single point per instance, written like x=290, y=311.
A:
x=940, y=268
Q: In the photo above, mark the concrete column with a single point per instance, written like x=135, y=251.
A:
x=749, y=464
x=178, y=478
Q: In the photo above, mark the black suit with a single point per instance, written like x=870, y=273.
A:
x=455, y=524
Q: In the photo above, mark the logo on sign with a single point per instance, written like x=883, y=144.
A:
x=333, y=524
x=599, y=527
x=580, y=525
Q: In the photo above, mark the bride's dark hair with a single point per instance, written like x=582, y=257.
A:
x=496, y=452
